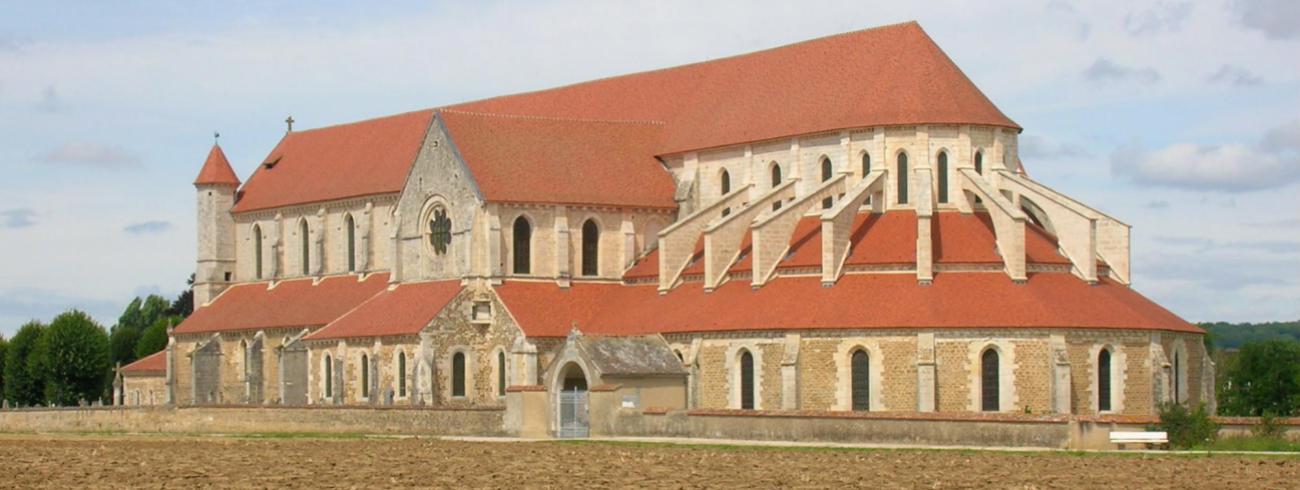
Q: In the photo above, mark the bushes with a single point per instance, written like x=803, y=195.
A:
x=1188, y=428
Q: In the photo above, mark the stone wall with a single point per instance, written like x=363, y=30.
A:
x=327, y=238
x=918, y=429
x=243, y=420
x=144, y=390
x=800, y=157
x=822, y=377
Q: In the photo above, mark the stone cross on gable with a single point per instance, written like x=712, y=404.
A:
x=289, y=121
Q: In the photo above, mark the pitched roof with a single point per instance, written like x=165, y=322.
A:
x=289, y=304
x=562, y=161
x=403, y=309
x=630, y=355
x=152, y=364
x=337, y=162
x=857, y=301
x=216, y=169
x=890, y=75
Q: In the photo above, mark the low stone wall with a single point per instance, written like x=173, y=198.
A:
x=237, y=420
x=912, y=429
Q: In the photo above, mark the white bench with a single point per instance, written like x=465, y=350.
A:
x=1148, y=438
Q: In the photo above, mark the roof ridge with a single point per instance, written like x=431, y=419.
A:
x=696, y=63
x=362, y=121
x=550, y=118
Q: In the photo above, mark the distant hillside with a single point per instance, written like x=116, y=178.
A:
x=1233, y=335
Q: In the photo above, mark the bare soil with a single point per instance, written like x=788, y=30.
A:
x=28, y=461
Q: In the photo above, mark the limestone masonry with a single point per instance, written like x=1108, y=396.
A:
x=838, y=225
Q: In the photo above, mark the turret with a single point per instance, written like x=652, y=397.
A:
x=215, y=186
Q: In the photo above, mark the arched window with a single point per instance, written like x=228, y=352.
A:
x=990, y=383
x=257, y=251
x=979, y=162
x=827, y=170
x=860, y=365
x=776, y=181
x=902, y=178
x=329, y=377
x=401, y=374
x=365, y=376
x=943, y=177
x=726, y=182
x=746, y=380
x=523, y=249
x=866, y=163
x=590, y=248
x=1103, y=380
x=351, y=226
x=458, y=374
x=306, y=248
x=439, y=231
x=501, y=373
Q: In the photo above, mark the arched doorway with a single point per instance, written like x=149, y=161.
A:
x=571, y=402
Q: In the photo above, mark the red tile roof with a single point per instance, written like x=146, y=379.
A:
x=402, y=310
x=337, y=162
x=883, y=239
x=152, y=364
x=954, y=300
x=290, y=304
x=216, y=170
x=562, y=161
x=891, y=75
x=886, y=239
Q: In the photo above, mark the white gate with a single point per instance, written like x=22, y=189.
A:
x=573, y=414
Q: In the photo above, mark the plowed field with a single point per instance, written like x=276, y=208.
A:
x=167, y=462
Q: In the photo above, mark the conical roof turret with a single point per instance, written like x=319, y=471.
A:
x=216, y=170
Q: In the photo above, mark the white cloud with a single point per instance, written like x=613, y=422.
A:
x=1104, y=70
x=17, y=218
x=1277, y=19
x=1234, y=75
x=148, y=227
x=90, y=154
x=1160, y=17
x=1273, y=163
x=1035, y=147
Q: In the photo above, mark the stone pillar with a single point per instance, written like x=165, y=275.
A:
x=629, y=241
x=496, y=259
x=693, y=368
x=790, y=373
x=171, y=359
x=526, y=355
x=395, y=260
x=925, y=372
x=363, y=242
x=1060, y=375
x=563, y=259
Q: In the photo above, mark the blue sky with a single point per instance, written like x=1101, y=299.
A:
x=1180, y=118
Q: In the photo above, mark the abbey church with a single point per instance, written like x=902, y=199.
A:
x=838, y=225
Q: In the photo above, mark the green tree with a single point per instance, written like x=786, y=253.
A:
x=184, y=304
x=139, y=315
x=23, y=386
x=154, y=338
x=77, y=358
x=4, y=345
x=1264, y=378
